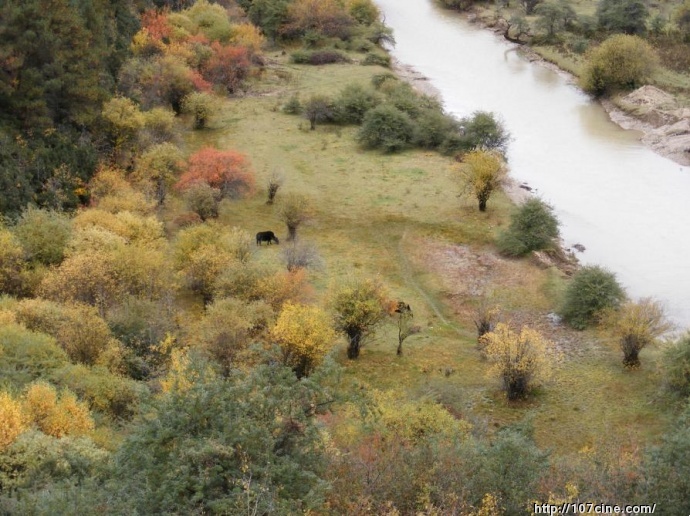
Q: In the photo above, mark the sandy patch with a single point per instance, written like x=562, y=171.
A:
x=466, y=274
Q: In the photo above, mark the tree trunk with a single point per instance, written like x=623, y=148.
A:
x=354, y=345
x=400, y=348
x=292, y=233
x=482, y=204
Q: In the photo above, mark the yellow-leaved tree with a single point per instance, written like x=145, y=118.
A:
x=636, y=326
x=305, y=335
x=57, y=415
x=521, y=360
x=482, y=173
x=12, y=421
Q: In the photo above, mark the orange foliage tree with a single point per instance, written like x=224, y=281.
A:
x=228, y=66
x=228, y=171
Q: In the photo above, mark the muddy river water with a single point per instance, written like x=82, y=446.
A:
x=628, y=206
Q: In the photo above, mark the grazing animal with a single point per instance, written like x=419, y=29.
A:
x=266, y=236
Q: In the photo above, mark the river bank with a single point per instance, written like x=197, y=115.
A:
x=664, y=123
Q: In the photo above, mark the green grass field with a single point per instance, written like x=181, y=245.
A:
x=400, y=217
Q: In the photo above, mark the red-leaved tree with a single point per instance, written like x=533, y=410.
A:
x=229, y=171
x=228, y=66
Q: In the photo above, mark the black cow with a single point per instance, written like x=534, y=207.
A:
x=266, y=236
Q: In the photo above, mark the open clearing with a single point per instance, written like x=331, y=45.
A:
x=400, y=217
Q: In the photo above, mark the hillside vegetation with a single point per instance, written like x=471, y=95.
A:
x=371, y=352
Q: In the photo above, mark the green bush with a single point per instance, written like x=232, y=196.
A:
x=591, y=291
x=433, y=128
x=36, y=460
x=532, y=227
x=104, y=392
x=386, y=127
x=677, y=367
x=620, y=62
x=483, y=130
x=203, y=199
x=27, y=355
x=375, y=59
x=353, y=103
x=667, y=469
x=379, y=79
x=626, y=16
x=293, y=106
x=43, y=235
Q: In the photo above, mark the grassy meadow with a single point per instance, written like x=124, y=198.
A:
x=401, y=218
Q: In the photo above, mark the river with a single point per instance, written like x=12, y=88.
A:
x=627, y=205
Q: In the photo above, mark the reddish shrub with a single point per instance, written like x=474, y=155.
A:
x=228, y=171
x=228, y=66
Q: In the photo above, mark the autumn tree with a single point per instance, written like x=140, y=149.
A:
x=305, y=336
x=228, y=66
x=295, y=210
x=78, y=329
x=482, y=173
x=328, y=18
x=359, y=307
x=123, y=120
x=636, y=326
x=12, y=420
x=159, y=166
x=202, y=253
x=57, y=415
x=228, y=328
x=229, y=171
x=202, y=106
x=520, y=359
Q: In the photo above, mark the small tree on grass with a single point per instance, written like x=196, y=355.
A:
x=301, y=255
x=520, y=359
x=359, y=307
x=532, y=227
x=405, y=326
x=636, y=326
x=200, y=105
x=274, y=183
x=295, y=210
x=592, y=290
x=203, y=199
x=159, y=166
x=305, y=336
x=486, y=316
x=228, y=171
x=483, y=173
x=317, y=109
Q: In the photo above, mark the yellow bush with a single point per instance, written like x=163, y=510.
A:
x=57, y=416
x=12, y=420
x=247, y=35
x=521, y=360
x=305, y=334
